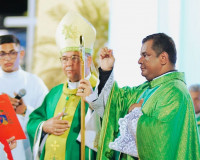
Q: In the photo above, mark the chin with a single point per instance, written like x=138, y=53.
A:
x=143, y=74
x=8, y=69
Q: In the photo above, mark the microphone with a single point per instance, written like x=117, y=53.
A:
x=21, y=93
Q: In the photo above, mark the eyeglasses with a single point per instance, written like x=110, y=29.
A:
x=73, y=58
x=11, y=54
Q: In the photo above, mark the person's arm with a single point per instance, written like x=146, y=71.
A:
x=103, y=77
x=98, y=98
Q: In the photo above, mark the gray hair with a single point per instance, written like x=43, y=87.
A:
x=195, y=88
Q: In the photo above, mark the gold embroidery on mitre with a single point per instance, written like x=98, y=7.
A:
x=71, y=32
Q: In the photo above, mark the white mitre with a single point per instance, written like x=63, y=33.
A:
x=69, y=30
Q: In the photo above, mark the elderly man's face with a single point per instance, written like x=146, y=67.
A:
x=149, y=62
x=71, y=65
x=196, y=100
x=10, y=56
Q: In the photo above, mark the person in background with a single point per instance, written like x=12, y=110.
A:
x=58, y=118
x=158, y=114
x=195, y=94
x=13, y=79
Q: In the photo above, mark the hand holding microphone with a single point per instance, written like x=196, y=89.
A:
x=21, y=107
x=18, y=103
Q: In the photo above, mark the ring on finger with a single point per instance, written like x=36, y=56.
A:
x=82, y=90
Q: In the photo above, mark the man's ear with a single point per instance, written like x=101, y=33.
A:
x=89, y=60
x=22, y=53
x=164, y=58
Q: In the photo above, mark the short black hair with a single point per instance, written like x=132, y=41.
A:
x=9, y=39
x=163, y=43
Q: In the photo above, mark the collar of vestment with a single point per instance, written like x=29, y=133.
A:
x=74, y=85
x=10, y=74
x=70, y=88
x=166, y=78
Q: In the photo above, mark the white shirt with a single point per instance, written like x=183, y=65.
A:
x=36, y=90
x=3, y=154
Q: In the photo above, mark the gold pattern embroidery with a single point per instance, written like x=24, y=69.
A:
x=71, y=32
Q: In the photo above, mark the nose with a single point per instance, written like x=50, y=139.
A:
x=140, y=60
x=7, y=57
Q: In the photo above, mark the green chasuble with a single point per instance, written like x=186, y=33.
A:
x=167, y=130
x=45, y=112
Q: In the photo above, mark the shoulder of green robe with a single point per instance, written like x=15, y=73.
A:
x=56, y=88
x=136, y=91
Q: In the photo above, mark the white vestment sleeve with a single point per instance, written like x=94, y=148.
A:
x=24, y=118
x=3, y=154
x=98, y=102
x=36, y=145
x=92, y=130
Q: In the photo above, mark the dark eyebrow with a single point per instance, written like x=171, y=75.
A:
x=12, y=50
x=9, y=51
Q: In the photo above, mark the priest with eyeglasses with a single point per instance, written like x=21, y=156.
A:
x=54, y=127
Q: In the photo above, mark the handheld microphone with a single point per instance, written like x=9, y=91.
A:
x=21, y=93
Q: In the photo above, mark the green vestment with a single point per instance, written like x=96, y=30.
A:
x=45, y=112
x=167, y=130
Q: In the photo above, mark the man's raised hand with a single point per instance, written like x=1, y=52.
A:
x=106, y=59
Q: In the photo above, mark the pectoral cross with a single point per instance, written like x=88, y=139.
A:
x=55, y=145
